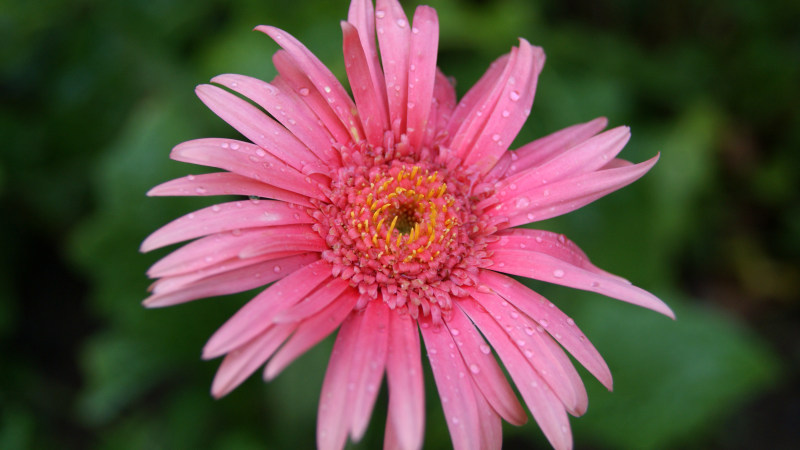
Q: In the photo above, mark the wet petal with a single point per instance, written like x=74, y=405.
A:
x=542, y=402
x=455, y=388
x=393, y=38
x=373, y=115
x=248, y=160
x=488, y=376
x=406, y=419
x=225, y=217
x=323, y=80
x=256, y=316
x=421, y=72
x=225, y=183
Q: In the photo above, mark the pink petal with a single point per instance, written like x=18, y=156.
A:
x=248, y=160
x=294, y=77
x=225, y=183
x=588, y=156
x=406, y=419
x=372, y=112
x=444, y=102
x=314, y=303
x=543, y=354
x=256, y=316
x=242, y=362
x=362, y=15
x=561, y=197
x=471, y=101
x=393, y=39
x=542, y=402
x=311, y=331
x=368, y=366
x=506, y=117
x=238, y=280
x=332, y=416
x=226, y=217
x=421, y=72
x=561, y=327
x=455, y=389
x=552, y=145
x=491, y=425
x=260, y=129
x=470, y=130
x=286, y=107
x=554, y=244
x=488, y=376
x=322, y=78
x=210, y=251
x=544, y=267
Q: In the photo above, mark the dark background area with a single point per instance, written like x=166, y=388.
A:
x=95, y=93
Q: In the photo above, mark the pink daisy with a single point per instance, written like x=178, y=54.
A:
x=391, y=214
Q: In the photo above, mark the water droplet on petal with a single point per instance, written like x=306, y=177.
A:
x=276, y=269
x=380, y=14
x=514, y=96
x=522, y=202
x=474, y=368
x=558, y=273
x=485, y=349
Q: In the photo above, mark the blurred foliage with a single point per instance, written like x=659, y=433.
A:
x=95, y=93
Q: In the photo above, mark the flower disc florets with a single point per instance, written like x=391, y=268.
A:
x=404, y=229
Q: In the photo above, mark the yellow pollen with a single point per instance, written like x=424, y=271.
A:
x=414, y=171
x=419, y=181
x=391, y=228
x=380, y=224
x=369, y=200
x=400, y=175
x=375, y=239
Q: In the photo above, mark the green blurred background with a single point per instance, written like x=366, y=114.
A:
x=95, y=93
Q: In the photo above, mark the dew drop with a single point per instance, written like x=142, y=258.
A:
x=260, y=152
x=528, y=354
x=523, y=202
x=224, y=145
x=520, y=343
x=558, y=273
x=544, y=323
x=485, y=349
x=216, y=208
x=234, y=146
x=514, y=96
x=190, y=177
x=200, y=190
x=512, y=186
x=474, y=368
x=529, y=331
x=595, y=284
x=276, y=269
x=495, y=137
x=454, y=332
x=454, y=420
x=570, y=321
x=401, y=23
x=380, y=14
x=506, y=113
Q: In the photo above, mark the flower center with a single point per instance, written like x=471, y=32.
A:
x=401, y=230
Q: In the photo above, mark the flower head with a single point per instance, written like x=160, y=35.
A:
x=391, y=214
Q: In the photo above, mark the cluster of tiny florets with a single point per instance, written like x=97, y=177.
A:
x=403, y=230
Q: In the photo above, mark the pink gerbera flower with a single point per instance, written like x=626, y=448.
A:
x=390, y=215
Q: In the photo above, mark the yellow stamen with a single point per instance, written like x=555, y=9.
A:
x=391, y=228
